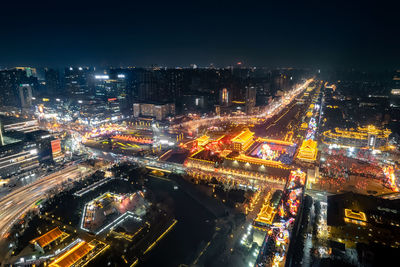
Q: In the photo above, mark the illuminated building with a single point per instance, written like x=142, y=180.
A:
x=43, y=140
x=25, y=95
x=354, y=218
x=225, y=97
x=96, y=112
x=78, y=253
x=243, y=155
x=18, y=157
x=73, y=255
x=18, y=154
x=308, y=151
x=23, y=147
x=20, y=125
x=157, y=111
x=101, y=85
x=44, y=240
x=109, y=210
x=395, y=92
x=202, y=140
x=284, y=206
x=56, y=150
x=267, y=213
x=10, y=81
x=76, y=81
x=28, y=70
x=195, y=102
x=110, y=85
x=250, y=98
x=23, y=152
x=243, y=140
x=368, y=137
x=136, y=110
x=134, y=139
x=53, y=82
x=218, y=110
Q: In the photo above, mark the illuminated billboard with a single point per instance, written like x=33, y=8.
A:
x=56, y=149
x=55, y=146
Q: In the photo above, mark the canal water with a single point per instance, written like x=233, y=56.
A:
x=189, y=236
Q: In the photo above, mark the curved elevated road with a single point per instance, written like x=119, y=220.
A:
x=17, y=203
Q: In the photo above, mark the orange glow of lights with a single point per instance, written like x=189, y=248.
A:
x=360, y=216
x=391, y=178
x=73, y=255
x=133, y=139
x=308, y=150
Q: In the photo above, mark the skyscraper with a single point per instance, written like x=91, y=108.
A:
x=225, y=97
x=250, y=98
x=52, y=79
x=147, y=89
x=28, y=70
x=10, y=81
x=25, y=95
x=395, y=90
x=76, y=81
x=175, y=81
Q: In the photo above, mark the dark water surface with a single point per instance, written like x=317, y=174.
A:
x=194, y=229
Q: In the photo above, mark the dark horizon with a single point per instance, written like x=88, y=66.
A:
x=177, y=34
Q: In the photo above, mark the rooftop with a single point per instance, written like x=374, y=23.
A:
x=48, y=237
x=377, y=211
x=7, y=120
x=73, y=255
x=243, y=136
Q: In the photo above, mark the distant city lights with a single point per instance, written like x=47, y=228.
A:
x=102, y=77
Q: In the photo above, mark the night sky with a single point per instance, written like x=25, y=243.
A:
x=178, y=33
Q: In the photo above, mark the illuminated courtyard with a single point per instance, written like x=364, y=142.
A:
x=109, y=210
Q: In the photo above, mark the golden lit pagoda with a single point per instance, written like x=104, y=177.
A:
x=243, y=140
x=308, y=151
x=304, y=125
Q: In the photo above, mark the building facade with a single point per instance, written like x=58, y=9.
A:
x=369, y=137
x=157, y=111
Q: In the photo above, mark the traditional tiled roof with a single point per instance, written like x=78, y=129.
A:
x=48, y=237
x=76, y=253
x=243, y=136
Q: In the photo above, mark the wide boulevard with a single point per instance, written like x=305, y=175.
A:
x=17, y=203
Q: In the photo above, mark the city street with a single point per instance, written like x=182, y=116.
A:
x=18, y=202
